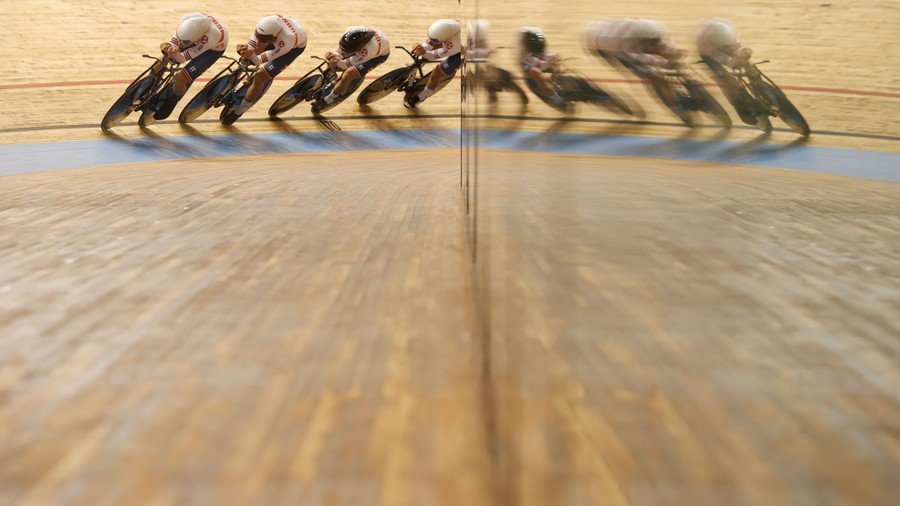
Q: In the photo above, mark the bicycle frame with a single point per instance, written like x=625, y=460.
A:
x=416, y=64
x=163, y=76
x=748, y=76
x=245, y=72
x=324, y=68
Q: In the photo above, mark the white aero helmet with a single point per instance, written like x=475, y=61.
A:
x=443, y=29
x=644, y=29
x=192, y=29
x=269, y=26
x=718, y=33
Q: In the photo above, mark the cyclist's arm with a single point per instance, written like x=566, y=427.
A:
x=252, y=44
x=449, y=48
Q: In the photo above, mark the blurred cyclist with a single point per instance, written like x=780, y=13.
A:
x=536, y=63
x=639, y=45
x=719, y=46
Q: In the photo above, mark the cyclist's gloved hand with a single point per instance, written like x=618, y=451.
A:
x=745, y=53
x=419, y=50
x=335, y=62
x=245, y=51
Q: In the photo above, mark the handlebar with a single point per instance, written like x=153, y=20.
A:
x=416, y=59
x=407, y=51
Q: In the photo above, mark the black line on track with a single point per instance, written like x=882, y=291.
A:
x=561, y=120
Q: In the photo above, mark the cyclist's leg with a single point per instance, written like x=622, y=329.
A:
x=267, y=73
x=445, y=71
x=182, y=81
x=352, y=78
x=739, y=98
x=657, y=82
x=540, y=85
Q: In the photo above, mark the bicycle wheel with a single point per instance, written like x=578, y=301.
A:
x=787, y=111
x=205, y=100
x=384, y=85
x=301, y=90
x=134, y=95
x=708, y=104
x=763, y=123
x=596, y=95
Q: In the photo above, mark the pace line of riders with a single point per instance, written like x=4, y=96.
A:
x=639, y=45
x=201, y=39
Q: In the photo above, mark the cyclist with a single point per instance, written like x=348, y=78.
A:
x=444, y=44
x=360, y=50
x=536, y=62
x=276, y=42
x=199, y=39
x=639, y=45
x=719, y=46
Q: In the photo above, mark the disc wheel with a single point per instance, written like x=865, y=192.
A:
x=121, y=108
x=301, y=91
x=383, y=86
x=709, y=104
x=204, y=101
x=788, y=112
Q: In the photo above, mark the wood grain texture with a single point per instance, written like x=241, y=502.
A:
x=260, y=330
x=678, y=333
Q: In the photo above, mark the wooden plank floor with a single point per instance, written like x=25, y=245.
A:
x=259, y=330
x=672, y=333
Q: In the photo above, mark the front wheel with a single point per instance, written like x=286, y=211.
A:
x=205, y=100
x=125, y=105
x=383, y=86
x=301, y=90
x=788, y=112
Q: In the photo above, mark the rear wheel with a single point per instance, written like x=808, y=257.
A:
x=763, y=123
x=146, y=118
x=677, y=107
x=301, y=91
x=383, y=86
x=787, y=111
x=320, y=106
x=708, y=104
x=205, y=100
x=134, y=95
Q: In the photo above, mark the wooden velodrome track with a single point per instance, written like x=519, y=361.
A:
x=301, y=328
